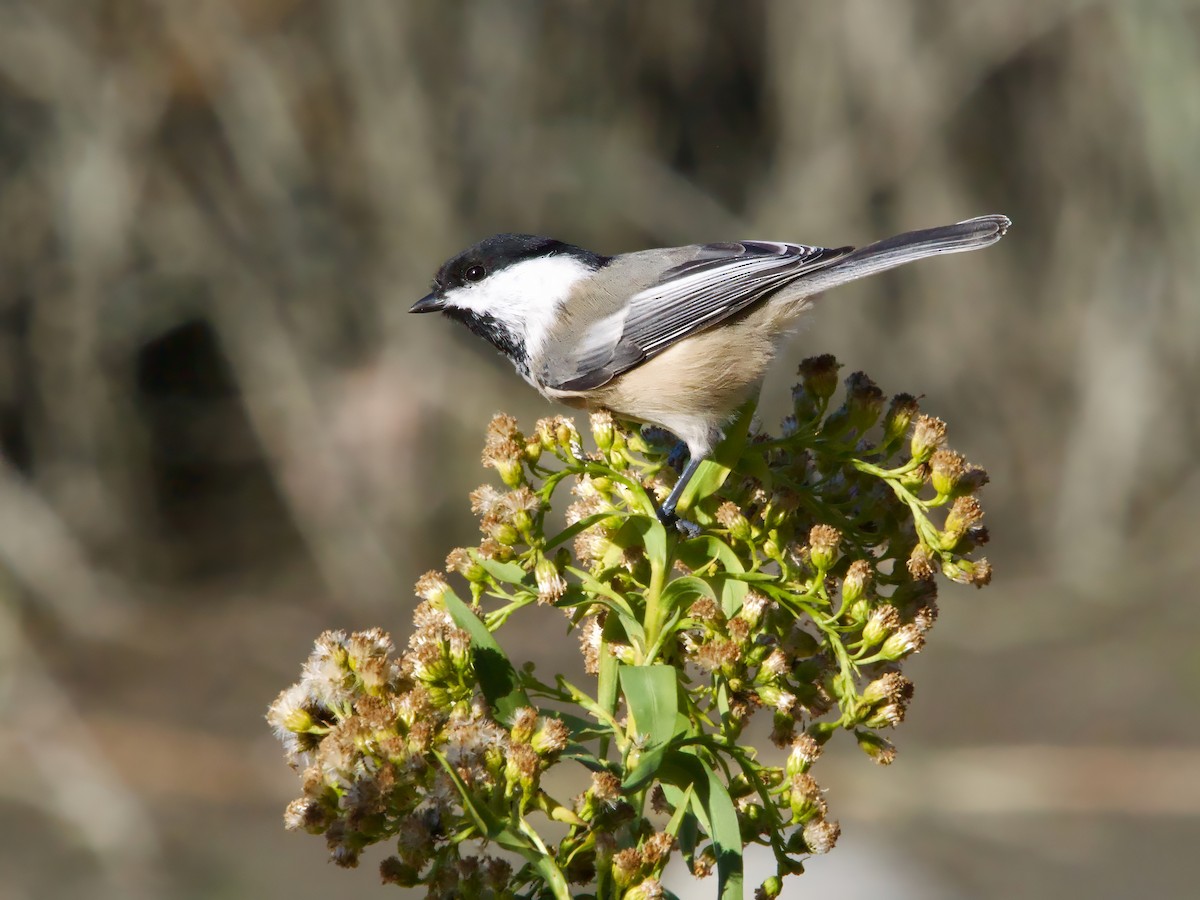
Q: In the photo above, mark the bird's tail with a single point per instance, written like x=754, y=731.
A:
x=905, y=248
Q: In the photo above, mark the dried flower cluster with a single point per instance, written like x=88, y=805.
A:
x=809, y=579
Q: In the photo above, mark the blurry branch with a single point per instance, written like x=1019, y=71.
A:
x=53, y=763
x=283, y=406
x=44, y=558
x=1102, y=469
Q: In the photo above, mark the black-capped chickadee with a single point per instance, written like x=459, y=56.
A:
x=677, y=337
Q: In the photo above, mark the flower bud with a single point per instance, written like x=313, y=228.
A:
x=545, y=431
x=776, y=698
x=965, y=513
x=888, y=715
x=753, y=608
x=858, y=576
x=878, y=748
x=946, y=468
x=731, y=518
x=805, y=751
x=603, y=429
x=819, y=376
x=900, y=644
x=928, y=435
x=461, y=561
x=823, y=543
x=771, y=888
x=964, y=571
x=431, y=586
x=567, y=436
x=533, y=450
x=864, y=402
x=921, y=563
x=899, y=417
x=551, y=737
x=882, y=622
x=551, y=585
x=891, y=687
x=524, y=721
x=626, y=865
x=504, y=533
x=648, y=889
x=821, y=835
x=856, y=613
x=805, y=798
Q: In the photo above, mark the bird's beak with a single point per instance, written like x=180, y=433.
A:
x=428, y=303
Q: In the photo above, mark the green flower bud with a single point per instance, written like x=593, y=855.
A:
x=901, y=643
x=858, y=576
x=964, y=571
x=504, y=533
x=460, y=560
x=823, y=543
x=882, y=622
x=864, y=402
x=946, y=468
x=731, y=518
x=819, y=376
x=928, y=435
x=533, y=450
x=889, y=688
x=550, y=584
x=898, y=419
x=603, y=429
x=299, y=720
x=771, y=888
x=512, y=473
x=805, y=798
x=394, y=871
x=878, y=748
x=856, y=613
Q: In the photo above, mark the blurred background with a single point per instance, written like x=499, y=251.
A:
x=221, y=433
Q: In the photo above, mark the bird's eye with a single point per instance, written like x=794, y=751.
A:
x=475, y=273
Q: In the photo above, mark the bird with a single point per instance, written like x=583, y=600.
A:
x=677, y=337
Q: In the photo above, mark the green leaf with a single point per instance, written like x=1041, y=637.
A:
x=654, y=539
x=582, y=525
x=497, y=678
x=698, y=551
x=614, y=601
x=714, y=808
x=505, y=572
x=682, y=588
x=652, y=693
x=688, y=832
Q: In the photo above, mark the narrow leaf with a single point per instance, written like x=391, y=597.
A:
x=497, y=678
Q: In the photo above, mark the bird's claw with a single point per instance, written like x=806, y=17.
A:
x=683, y=526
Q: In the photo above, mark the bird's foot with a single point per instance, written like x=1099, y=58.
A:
x=685, y=527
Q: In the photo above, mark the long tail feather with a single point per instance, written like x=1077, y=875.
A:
x=908, y=247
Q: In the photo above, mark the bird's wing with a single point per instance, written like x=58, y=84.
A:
x=719, y=281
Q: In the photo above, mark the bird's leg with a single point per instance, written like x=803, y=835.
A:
x=666, y=513
x=677, y=455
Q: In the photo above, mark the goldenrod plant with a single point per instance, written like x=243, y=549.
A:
x=805, y=577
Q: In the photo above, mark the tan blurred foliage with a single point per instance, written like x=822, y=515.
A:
x=221, y=432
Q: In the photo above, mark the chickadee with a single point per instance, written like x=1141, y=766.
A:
x=677, y=337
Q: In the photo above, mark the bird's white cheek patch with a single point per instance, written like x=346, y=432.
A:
x=525, y=296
